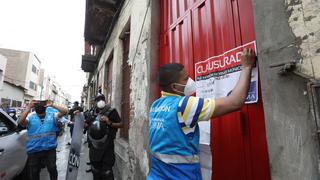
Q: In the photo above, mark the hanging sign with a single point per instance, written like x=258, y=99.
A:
x=217, y=76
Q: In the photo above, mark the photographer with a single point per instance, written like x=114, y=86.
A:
x=42, y=142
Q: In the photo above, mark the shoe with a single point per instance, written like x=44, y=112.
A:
x=68, y=143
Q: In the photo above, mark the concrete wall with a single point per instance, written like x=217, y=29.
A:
x=286, y=31
x=31, y=76
x=21, y=61
x=12, y=92
x=304, y=21
x=17, y=61
x=143, y=18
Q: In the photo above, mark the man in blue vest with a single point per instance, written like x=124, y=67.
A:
x=173, y=120
x=41, y=144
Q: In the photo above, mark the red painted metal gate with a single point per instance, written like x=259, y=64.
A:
x=194, y=30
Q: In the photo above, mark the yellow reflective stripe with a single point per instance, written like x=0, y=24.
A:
x=204, y=109
x=213, y=105
x=163, y=93
x=193, y=111
x=188, y=108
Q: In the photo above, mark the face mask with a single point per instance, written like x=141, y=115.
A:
x=40, y=109
x=101, y=104
x=189, y=88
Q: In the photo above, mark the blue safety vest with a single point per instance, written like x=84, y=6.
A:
x=42, y=135
x=165, y=133
x=173, y=154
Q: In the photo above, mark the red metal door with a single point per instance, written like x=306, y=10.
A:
x=194, y=30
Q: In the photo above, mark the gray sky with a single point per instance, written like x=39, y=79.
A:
x=53, y=30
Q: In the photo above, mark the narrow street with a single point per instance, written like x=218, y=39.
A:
x=168, y=89
x=62, y=159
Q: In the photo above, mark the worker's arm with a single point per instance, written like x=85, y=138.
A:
x=23, y=117
x=114, y=119
x=116, y=125
x=235, y=100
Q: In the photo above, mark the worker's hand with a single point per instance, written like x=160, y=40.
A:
x=32, y=104
x=105, y=119
x=77, y=112
x=247, y=58
x=49, y=103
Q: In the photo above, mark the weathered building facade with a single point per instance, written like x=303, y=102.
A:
x=124, y=49
x=288, y=32
x=22, y=73
x=25, y=80
x=123, y=73
x=51, y=89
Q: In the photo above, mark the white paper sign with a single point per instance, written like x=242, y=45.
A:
x=217, y=76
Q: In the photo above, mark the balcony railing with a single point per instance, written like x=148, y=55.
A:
x=89, y=63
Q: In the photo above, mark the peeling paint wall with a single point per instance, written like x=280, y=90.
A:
x=142, y=58
x=142, y=16
x=288, y=30
x=304, y=20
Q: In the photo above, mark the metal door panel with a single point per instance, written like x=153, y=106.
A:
x=194, y=30
x=227, y=145
x=178, y=47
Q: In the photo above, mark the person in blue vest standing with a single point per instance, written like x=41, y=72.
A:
x=42, y=142
x=174, y=117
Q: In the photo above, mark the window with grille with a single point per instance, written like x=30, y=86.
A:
x=34, y=69
x=5, y=103
x=19, y=104
x=14, y=103
x=32, y=85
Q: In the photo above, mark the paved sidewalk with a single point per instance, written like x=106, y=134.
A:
x=62, y=159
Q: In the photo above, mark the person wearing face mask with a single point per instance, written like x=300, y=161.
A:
x=101, y=134
x=41, y=127
x=174, y=117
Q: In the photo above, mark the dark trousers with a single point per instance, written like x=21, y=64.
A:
x=102, y=162
x=71, y=129
x=43, y=158
x=101, y=171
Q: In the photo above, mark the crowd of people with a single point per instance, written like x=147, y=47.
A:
x=44, y=120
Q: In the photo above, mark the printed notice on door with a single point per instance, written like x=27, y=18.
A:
x=217, y=76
